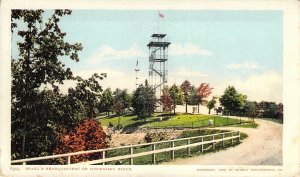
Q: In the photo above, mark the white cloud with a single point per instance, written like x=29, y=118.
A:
x=187, y=49
x=245, y=65
x=106, y=52
x=267, y=86
x=261, y=87
x=115, y=79
x=109, y=81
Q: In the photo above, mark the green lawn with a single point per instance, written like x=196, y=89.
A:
x=248, y=125
x=193, y=120
x=124, y=120
x=183, y=120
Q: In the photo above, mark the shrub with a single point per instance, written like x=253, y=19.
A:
x=88, y=135
x=200, y=132
x=119, y=127
x=153, y=137
x=110, y=125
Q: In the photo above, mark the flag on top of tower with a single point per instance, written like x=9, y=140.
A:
x=160, y=15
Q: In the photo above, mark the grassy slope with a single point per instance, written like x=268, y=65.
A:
x=177, y=120
x=198, y=120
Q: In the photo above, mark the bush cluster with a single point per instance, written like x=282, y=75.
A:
x=156, y=136
x=88, y=135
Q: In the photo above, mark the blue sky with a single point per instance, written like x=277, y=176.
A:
x=239, y=48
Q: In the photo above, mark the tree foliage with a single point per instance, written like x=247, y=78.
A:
x=204, y=90
x=88, y=92
x=37, y=114
x=186, y=88
x=106, y=101
x=249, y=109
x=144, y=101
x=211, y=104
x=166, y=100
x=176, y=96
x=88, y=135
x=232, y=101
x=268, y=109
x=121, y=101
x=193, y=97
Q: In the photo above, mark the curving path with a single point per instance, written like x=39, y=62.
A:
x=262, y=147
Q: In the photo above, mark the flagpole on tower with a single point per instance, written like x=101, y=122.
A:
x=136, y=73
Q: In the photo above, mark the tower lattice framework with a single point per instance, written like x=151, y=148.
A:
x=158, y=60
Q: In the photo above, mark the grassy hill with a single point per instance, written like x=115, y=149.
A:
x=159, y=120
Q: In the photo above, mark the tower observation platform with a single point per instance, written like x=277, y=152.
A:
x=158, y=58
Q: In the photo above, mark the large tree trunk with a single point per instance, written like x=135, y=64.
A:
x=208, y=111
x=174, y=111
x=198, y=108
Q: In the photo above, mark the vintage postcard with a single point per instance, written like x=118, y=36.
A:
x=143, y=88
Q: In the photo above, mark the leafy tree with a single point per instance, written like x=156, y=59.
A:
x=176, y=96
x=280, y=111
x=144, y=101
x=38, y=115
x=121, y=100
x=211, y=104
x=41, y=125
x=270, y=109
x=186, y=88
x=88, y=92
x=166, y=100
x=40, y=46
x=203, y=91
x=106, y=101
x=193, y=97
x=118, y=107
x=88, y=135
x=250, y=109
x=232, y=101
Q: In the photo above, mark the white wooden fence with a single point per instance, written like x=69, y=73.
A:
x=211, y=140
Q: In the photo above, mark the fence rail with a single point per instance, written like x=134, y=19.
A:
x=212, y=140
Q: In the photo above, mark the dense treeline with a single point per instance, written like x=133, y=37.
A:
x=236, y=104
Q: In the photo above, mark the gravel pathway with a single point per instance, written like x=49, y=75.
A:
x=262, y=147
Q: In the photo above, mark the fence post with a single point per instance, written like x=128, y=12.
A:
x=239, y=138
x=202, y=144
x=153, y=155
x=189, y=149
x=214, y=121
x=68, y=160
x=231, y=138
x=213, y=144
x=172, y=151
x=223, y=136
x=24, y=163
x=131, y=152
x=103, y=157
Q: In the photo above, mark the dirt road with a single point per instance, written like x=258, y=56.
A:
x=262, y=147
